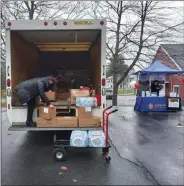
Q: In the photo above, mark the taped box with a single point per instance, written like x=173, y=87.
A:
x=41, y=122
x=67, y=121
x=47, y=112
x=89, y=122
x=84, y=112
x=51, y=95
x=78, y=93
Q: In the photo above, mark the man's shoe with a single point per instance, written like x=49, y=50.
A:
x=30, y=124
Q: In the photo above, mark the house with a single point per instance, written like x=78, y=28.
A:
x=172, y=55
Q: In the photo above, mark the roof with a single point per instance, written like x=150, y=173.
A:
x=159, y=68
x=176, y=52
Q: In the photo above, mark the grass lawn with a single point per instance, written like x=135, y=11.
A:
x=3, y=104
x=125, y=91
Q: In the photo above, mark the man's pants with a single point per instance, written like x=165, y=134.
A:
x=30, y=108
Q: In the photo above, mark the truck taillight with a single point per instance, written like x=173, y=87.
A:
x=101, y=22
x=8, y=82
x=9, y=23
x=55, y=23
x=45, y=23
x=103, y=82
x=64, y=23
x=8, y=106
x=103, y=105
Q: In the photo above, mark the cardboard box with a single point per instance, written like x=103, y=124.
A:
x=67, y=121
x=47, y=112
x=44, y=122
x=51, y=95
x=78, y=93
x=89, y=122
x=65, y=96
x=84, y=112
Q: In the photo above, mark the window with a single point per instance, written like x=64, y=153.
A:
x=176, y=89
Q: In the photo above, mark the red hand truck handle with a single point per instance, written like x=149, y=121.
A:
x=107, y=126
x=103, y=119
x=108, y=107
x=114, y=111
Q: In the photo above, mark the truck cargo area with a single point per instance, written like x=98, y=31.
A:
x=70, y=53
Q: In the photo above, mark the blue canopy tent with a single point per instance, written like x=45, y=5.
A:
x=148, y=103
x=158, y=67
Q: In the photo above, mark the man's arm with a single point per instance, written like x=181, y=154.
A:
x=42, y=93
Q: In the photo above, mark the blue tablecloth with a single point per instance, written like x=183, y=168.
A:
x=151, y=104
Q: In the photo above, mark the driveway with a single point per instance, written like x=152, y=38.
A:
x=147, y=149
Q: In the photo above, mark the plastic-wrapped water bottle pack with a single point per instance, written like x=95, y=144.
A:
x=93, y=138
x=79, y=138
x=86, y=102
x=96, y=138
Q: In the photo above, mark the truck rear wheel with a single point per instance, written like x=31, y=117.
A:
x=60, y=154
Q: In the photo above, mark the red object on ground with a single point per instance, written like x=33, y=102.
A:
x=98, y=97
x=137, y=85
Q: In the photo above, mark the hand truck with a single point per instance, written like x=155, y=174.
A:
x=105, y=129
x=62, y=139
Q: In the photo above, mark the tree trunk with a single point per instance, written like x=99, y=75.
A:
x=115, y=91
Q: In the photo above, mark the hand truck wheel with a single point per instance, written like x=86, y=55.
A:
x=107, y=159
x=60, y=154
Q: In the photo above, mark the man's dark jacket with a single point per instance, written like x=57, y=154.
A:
x=32, y=88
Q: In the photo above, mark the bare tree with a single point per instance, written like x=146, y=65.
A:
x=134, y=29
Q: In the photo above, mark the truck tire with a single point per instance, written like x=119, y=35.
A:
x=60, y=154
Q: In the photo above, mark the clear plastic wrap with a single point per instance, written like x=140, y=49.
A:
x=79, y=138
x=86, y=102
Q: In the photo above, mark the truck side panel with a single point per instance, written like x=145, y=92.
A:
x=8, y=75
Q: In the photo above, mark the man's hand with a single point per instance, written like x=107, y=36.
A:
x=52, y=106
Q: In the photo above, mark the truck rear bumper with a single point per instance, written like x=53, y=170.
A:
x=23, y=127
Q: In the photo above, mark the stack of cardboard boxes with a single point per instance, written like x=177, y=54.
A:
x=86, y=119
x=83, y=118
x=47, y=118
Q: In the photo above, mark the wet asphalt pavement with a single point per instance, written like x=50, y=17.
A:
x=147, y=149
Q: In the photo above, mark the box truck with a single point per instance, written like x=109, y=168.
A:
x=70, y=47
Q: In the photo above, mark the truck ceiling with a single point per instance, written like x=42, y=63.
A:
x=45, y=36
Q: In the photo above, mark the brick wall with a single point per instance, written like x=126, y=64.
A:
x=174, y=79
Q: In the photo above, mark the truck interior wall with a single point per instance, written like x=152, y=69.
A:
x=24, y=61
x=95, y=57
x=51, y=62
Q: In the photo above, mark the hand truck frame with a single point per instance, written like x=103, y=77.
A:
x=62, y=140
